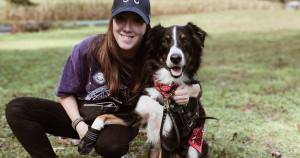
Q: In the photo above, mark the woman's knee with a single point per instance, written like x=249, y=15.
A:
x=113, y=141
x=15, y=109
x=111, y=150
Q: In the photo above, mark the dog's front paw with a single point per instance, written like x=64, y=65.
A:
x=87, y=143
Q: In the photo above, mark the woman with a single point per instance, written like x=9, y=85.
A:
x=110, y=66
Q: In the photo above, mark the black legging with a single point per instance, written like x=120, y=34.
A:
x=31, y=118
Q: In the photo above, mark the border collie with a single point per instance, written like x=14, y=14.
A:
x=174, y=58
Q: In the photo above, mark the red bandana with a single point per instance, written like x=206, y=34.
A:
x=164, y=89
x=196, y=139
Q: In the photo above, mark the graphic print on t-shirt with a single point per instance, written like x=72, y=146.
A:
x=95, y=93
x=99, y=78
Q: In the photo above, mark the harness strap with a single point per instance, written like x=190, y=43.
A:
x=167, y=91
x=163, y=143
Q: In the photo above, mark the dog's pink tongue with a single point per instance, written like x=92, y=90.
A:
x=176, y=71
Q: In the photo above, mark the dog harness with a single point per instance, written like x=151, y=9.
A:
x=166, y=90
x=188, y=122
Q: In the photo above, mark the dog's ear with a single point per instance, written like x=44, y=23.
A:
x=197, y=33
x=153, y=40
x=154, y=34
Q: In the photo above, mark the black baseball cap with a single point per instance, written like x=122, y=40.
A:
x=141, y=7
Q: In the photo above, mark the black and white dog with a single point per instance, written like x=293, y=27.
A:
x=174, y=58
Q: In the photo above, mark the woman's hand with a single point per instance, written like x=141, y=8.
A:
x=81, y=129
x=184, y=92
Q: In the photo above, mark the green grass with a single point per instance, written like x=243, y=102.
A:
x=251, y=83
x=250, y=76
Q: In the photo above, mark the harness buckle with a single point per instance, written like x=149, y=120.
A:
x=190, y=125
x=166, y=104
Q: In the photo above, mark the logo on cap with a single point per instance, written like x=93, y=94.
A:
x=140, y=7
x=135, y=1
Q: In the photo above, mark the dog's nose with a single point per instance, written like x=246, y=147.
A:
x=176, y=58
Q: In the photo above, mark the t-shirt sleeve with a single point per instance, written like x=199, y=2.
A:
x=71, y=78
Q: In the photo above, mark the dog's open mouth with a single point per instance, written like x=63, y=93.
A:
x=176, y=71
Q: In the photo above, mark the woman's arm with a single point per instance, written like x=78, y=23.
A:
x=71, y=107
x=184, y=92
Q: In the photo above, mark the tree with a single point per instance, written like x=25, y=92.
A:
x=281, y=1
x=22, y=2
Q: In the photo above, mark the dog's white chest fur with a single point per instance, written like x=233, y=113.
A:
x=148, y=107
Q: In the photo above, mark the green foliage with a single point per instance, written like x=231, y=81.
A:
x=281, y=1
x=22, y=2
x=100, y=9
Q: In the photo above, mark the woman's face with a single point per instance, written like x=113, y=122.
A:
x=128, y=30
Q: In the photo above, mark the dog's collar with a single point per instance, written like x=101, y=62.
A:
x=166, y=90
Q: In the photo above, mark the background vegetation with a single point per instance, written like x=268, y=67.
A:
x=95, y=9
x=250, y=76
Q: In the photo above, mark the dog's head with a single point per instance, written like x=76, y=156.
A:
x=175, y=49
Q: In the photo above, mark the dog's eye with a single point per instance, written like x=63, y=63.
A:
x=185, y=42
x=164, y=43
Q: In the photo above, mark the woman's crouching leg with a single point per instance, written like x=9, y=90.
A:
x=31, y=118
x=113, y=140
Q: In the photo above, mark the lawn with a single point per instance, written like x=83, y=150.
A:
x=250, y=76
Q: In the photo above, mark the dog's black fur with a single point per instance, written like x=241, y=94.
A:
x=190, y=40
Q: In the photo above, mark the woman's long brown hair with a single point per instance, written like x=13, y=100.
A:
x=111, y=63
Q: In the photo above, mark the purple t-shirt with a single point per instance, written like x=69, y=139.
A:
x=81, y=78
